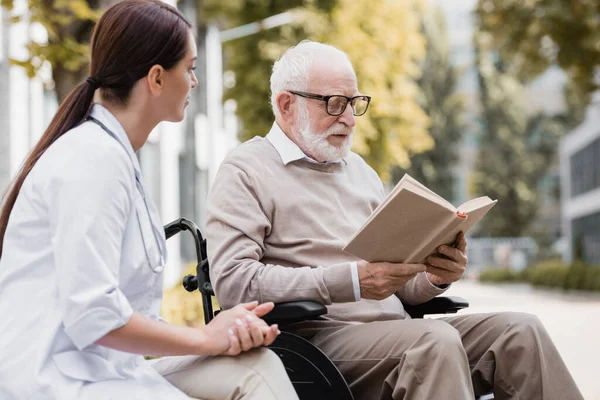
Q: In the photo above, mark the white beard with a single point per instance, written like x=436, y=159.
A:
x=317, y=145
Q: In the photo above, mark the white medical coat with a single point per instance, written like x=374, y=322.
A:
x=75, y=266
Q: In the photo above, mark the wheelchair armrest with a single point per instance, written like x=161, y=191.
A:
x=295, y=311
x=437, y=305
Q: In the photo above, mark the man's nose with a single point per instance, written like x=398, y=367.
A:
x=347, y=117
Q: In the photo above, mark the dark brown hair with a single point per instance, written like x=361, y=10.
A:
x=130, y=38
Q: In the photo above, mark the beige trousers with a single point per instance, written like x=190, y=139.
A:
x=454, y=358
x=254, y=375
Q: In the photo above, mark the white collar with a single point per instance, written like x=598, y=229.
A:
x=103, y=115
x=287, y=149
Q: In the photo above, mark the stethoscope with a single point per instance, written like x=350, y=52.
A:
x=161, y=266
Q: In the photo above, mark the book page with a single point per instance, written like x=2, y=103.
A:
x=411, y=222
x=411, y=183
x=474, y=204
x=418, y=187
x=446, y=235
x=405, y=224
x=423, y=191
x=449, y=233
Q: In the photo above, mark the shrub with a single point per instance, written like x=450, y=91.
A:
x=498, y=275
x=576, y=276
x=553, y=273
x=550, y=273
x=591, y=279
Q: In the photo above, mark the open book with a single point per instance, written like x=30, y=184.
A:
x=412, y=222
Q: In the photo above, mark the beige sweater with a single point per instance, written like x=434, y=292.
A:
x=275, y=232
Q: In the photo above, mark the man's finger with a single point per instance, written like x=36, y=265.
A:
x=271, y=335
x=453, y=253
x=263, y=309
x=256, y=334
x=398, y=282
x=401, y=270
x=234, y=344
x=461, y=242
x=250, y=306
x=442, y=263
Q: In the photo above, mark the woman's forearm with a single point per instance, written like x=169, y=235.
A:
x=142, y=335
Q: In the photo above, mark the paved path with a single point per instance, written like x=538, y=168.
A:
x=573, y=321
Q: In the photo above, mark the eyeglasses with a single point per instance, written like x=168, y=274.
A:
x=336, y=104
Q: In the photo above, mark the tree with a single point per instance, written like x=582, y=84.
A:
x=515, y=149
x=69, y=24
x=384, y=45
x=251, y=58
x=515, y=42
x=444, y=107
x=532, y=35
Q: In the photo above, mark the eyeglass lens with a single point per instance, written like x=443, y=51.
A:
x=337, y=104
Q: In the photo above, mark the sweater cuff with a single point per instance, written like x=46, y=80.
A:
x=429, y=288
x=444, y=286
x=338, y=280
x=355, y=280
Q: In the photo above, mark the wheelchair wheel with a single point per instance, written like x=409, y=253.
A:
x=313, y=375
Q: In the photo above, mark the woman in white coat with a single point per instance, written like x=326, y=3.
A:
x=82, y=247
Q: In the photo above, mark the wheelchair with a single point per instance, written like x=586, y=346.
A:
x=313, y=374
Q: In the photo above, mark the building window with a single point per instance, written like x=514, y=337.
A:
x=586, y=238
x=585, y=169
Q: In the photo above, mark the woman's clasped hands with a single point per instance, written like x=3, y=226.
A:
x=240, y=329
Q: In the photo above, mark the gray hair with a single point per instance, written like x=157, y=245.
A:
x=291, y=71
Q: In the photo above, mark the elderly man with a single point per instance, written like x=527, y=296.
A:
x=281, y=210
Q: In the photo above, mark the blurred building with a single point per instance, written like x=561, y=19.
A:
x=580, y=187
x=178, y=161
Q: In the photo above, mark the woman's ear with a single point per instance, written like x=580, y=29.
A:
x=156, y=79
x=287, y=105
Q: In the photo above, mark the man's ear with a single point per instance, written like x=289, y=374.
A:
x=156, y=79
x=287, y=105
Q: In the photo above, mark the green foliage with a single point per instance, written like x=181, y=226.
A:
x=591, y=279
x=575, y=276
x=515, y=42
x=550, y=273
x=384, y=45
x=251, y=57
x=68, y=23
x=494, y=275
x=516, y=149
x=445, y=109
x=532, y=35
